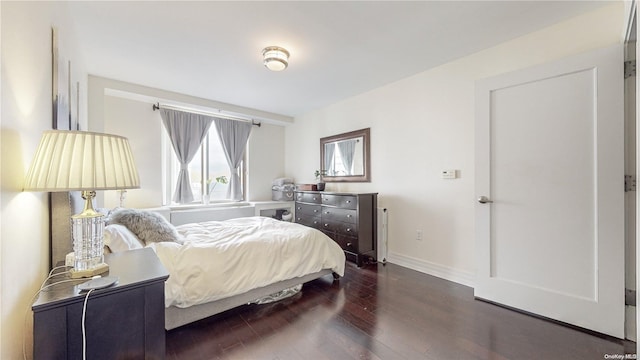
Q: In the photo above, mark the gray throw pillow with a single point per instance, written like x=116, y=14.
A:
x=148, y=226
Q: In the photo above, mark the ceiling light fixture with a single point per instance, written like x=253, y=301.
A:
x=275, y=58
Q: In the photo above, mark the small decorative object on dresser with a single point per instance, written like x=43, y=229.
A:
x=305, y=187
x=320, y=184
x=350, y=219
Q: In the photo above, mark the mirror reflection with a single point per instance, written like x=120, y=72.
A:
x=345, y=157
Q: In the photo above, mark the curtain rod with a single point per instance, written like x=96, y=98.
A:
x=157, y=106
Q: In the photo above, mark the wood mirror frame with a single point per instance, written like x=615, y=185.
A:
x=366, y=152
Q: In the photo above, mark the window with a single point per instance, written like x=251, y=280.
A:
x=208, y=170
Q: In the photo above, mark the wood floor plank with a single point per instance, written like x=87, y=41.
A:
x=385, y=312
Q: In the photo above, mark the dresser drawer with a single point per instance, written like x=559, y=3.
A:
x=308, y=209
x=341, y=201
x=347, y=243
x=330, y=214
x=311, y=198
x=340, y=228
x=346, y=229
x=328, y=227
x=309, y=220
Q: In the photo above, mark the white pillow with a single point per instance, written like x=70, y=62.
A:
x=118, y=238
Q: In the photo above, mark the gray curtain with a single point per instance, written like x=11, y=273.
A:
x=233, y=136
x=186, y=131
x=347, y=150
x=329, y=150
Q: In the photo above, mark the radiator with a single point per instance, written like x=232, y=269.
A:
x=383, y=221
x=179, y=217
x=185, y=214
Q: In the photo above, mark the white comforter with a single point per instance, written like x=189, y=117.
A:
x=224, y=258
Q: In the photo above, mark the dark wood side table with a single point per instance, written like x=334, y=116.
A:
x=124, y=321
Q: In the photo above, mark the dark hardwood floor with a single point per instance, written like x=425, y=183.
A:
x=384, y=312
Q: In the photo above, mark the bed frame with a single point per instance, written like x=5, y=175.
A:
x=175, y=317
x=63, y=205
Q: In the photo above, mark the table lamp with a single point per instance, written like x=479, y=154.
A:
x=84, y=161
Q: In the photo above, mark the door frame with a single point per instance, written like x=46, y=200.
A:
x=631, y=32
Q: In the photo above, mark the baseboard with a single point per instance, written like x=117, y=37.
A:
x=630, y=323
x=438, y=270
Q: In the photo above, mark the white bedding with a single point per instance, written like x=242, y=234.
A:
x=224, y=258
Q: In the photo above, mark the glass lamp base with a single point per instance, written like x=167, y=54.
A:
x=88, y=242
x=96, y=270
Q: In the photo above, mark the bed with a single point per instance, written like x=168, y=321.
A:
x=218, y=265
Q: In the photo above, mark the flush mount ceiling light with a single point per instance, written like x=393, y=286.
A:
x=275, y=58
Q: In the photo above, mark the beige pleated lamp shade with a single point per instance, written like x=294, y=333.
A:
x=81, y=160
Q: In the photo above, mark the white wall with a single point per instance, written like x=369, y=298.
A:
x=138, y=122
x=128, y=112
x=266, y=160
x=25, y=113
x=424, y=124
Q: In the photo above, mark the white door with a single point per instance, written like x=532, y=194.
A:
x=550, y=164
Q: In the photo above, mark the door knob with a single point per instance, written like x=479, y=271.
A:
x=483, y=200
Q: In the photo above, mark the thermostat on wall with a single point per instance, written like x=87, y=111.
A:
x=449, y=174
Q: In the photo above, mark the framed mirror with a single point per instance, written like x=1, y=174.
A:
x=346, y=157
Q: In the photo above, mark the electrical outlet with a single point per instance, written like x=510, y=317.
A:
x=419, y=235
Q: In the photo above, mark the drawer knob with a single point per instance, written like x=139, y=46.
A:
x=326, y=225
x=348, y=201
x=314, y=199
x=315, y=210
x=326, y=213
x=348, y=229
x=349, y=244
x=349, y=215
x=299, y=207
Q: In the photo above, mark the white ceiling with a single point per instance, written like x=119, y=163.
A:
x=213, y=49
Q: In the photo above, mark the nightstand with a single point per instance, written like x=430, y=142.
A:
x=125, y=320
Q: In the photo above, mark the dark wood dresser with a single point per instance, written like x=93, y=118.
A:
x=124, y=321
x=348, y=218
